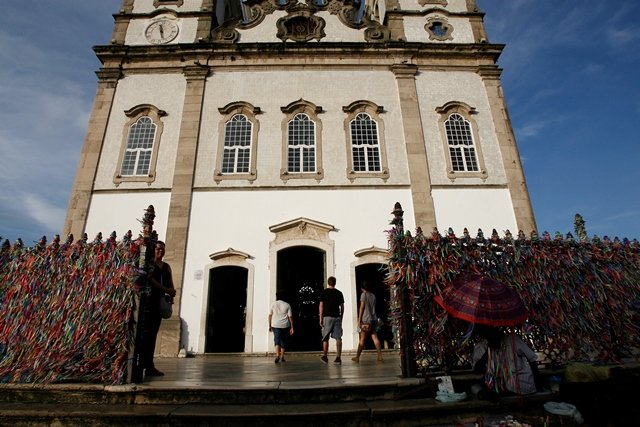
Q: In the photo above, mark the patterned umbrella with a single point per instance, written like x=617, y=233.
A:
x=480, y=299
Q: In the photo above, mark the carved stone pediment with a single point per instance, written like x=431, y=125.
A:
x=230, y=255
x=301, y=229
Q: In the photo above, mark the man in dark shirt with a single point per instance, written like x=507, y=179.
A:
x=331, y=312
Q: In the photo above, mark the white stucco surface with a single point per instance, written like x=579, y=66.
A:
x=272, y=90
x=121, y=212
x=133, y=91
x=137, y=28
x=486, y=208
x=435, y=89
x=241, y=220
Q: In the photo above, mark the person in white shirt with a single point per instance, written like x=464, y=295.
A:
x=281, y=324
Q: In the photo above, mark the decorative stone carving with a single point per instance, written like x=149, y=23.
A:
x=300, y=25
x=376, y=32
x=438, y=28
x=301, y=228
x=225, y=34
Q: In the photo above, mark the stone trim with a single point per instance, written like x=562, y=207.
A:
x=312, y=110
x=516, y=182
x=374, y=111
x=300, y=25
x=417, y=160
x=81, y=193
x=182, y=187
x=300, y=232
x=465, y=111
x=160, y=3
x=134, y=114
x=441, y=21
x=229, y=258
x=229, y=111
x=442, y=3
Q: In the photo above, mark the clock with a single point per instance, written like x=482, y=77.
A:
x=161, y=31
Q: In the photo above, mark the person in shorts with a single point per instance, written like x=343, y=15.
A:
x=281, y=324
x=368, y=321
x=331, y=312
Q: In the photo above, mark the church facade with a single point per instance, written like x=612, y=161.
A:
x=273, y=138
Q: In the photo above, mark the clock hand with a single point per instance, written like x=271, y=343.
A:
x=161, y=30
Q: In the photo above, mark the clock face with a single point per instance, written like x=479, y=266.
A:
x=161, y=31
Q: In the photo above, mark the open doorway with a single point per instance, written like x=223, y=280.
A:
x=226, y=310
x=301, y=276
x=375, y=274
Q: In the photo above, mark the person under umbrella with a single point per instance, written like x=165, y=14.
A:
x=507, y=361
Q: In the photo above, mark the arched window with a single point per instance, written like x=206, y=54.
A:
x=365, y=140
x=137, y=155
x=302, y=141
x=461, y=142
x=141, y=139
x=238, y=134
x=236, y=157
x=461, y=148
x=301, y=144
x=365, y=148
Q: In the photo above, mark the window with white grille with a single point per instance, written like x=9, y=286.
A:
x=301, y=149
x=365, y=147
x=462, y=151
x=137, y=155
x=238, y=139
x=236, y=157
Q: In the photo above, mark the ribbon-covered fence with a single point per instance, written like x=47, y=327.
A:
x=582, y=294
x=67, y=309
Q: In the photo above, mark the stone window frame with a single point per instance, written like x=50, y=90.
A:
x=374, y=111
x=230, y=258
x=290, y=111
x=134, y=114
x=228, y=111
x=466, y=111
x=437, y=19
x=158, y=3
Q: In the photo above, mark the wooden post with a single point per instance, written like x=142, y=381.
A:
x=408, y=359
x=135, y=371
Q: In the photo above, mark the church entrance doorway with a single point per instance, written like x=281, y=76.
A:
x=226, y=310
x=375, y=274
x=301, y=276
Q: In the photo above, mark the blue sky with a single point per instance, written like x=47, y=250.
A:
x=571, y=80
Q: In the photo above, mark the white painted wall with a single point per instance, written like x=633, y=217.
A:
x=241, y=220
x=271, y=90
x=121, y=212
x=187, y=30
x=435, y=89
x=474, y=208
x=132, y=91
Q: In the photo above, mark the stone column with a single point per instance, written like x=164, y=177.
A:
x=418, y=164
x=517, y=185
x=80, y=198
x=180, y=203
